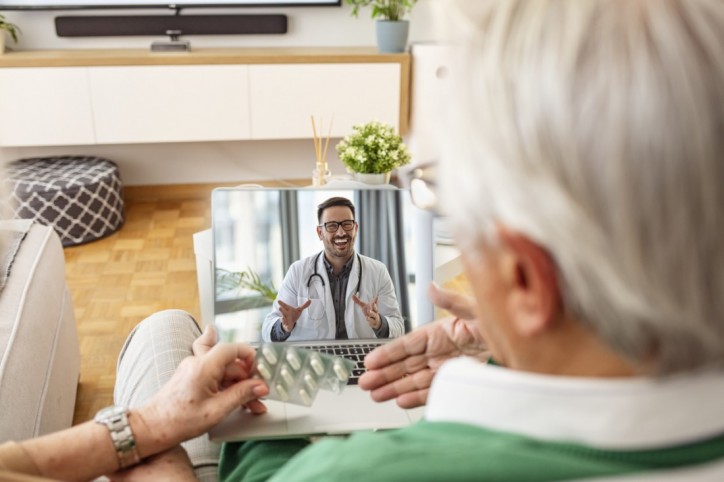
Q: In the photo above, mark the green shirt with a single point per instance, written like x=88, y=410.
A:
x=485, y=422
x=435, y=451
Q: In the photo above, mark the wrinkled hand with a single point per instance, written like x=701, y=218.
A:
x=404, y=368
x=290, y=314
x=173, y=464
x=234, y=372
x=372, y=314
x=202, y=391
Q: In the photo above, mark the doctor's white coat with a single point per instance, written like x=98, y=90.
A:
x=317, y=322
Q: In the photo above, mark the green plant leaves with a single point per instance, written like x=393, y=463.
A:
x=385, y=9
x=10, y=28
x=373, y=148
x=248, y=279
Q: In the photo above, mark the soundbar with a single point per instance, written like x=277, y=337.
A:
x=128, y=25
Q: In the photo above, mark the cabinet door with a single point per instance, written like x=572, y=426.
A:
x=46, y=106
x=283, y=97
x=170, y=103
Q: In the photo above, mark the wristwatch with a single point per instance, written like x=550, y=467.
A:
x=116, y=419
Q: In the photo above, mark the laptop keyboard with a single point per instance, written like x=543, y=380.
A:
x=355, y=353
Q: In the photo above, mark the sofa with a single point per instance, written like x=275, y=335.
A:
x=39, y=349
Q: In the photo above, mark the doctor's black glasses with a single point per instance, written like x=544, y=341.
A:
x=333, y=226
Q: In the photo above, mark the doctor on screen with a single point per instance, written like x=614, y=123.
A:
x=336, y=293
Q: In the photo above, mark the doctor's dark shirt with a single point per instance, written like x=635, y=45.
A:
x=338, y=288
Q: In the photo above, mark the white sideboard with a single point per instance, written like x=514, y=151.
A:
x=59, y=98
x=284, y=96
x=45, y=107
x=169, y=103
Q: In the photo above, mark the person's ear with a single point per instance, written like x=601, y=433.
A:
x=319, y=233
x=534, y=300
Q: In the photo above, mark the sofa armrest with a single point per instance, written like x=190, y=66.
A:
x=39, y=349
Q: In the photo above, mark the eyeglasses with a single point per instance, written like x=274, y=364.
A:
x=333, y=226
x=422, y=186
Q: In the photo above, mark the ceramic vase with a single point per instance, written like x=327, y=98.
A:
x=392, y=35
x=374, y=179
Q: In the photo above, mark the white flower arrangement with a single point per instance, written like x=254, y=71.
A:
x=373, y=148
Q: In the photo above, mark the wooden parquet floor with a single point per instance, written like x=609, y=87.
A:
x=147, y=266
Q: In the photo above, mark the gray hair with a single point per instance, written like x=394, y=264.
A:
x=596, y=128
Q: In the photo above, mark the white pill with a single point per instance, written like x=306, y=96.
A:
x=316, y=364
x=293, y=360
x=310, y=381
x=286, y=375
x=305, y=396
x=283, y=395
x=263, y=370
x=269, y=354
x=340, y=371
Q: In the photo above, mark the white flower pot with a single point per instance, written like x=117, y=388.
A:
x=375, y=179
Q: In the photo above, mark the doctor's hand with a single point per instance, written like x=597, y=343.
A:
x=403, y=369
x=372, y=314
x=290, y=315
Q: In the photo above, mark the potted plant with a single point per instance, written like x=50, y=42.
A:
x=233, y=282
x=392, y=30
x=10, y=28
x=372, y=151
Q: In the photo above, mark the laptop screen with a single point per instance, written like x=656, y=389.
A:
x=272, y=253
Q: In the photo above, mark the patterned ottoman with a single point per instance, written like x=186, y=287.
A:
x=79, y=196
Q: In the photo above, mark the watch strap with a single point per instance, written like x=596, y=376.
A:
x=116, y=420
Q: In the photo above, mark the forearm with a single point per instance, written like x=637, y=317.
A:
x=86, y=451
x=57, y=455
x=173, y=465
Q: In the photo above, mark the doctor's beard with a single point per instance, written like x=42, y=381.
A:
x=333, y=247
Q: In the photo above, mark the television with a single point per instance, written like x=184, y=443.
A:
x=171, y=4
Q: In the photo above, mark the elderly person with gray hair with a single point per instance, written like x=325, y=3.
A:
x=584, y=171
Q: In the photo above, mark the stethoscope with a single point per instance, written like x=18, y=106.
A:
x=316, y=260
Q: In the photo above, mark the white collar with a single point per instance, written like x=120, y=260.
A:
x=624, y=413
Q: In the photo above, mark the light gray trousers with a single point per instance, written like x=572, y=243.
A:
x=147, y=360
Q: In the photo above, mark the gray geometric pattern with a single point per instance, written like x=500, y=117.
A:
x=79, y=196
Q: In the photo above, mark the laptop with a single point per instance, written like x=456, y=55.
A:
x=258, y=233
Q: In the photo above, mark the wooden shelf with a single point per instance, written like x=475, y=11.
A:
x=291, y=55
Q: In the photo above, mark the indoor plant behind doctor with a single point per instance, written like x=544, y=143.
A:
x=336, y=293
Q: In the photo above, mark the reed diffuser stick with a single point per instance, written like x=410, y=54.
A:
x=321, y=172
x=326, y=144
x=317, y=147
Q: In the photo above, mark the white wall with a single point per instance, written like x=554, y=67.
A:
x=199, y=162
x=143, y=164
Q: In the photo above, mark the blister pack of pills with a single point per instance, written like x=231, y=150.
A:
x=295, y=375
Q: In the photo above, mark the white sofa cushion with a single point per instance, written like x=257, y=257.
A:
x=39, y=350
